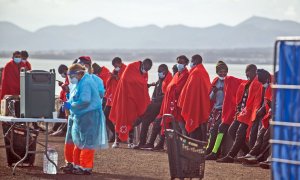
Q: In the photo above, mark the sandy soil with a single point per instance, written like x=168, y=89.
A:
x=125, y=163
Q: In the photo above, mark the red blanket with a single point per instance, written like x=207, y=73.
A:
x=11, y=78
x=27, y=65
x=166, y=82
x=248, y=114
x=63, y=93
x=111, y=86
x=131, y=99
x=267, y=103
x=194, y=99
x=104, y=75
x=173, y=90
x=231, y=85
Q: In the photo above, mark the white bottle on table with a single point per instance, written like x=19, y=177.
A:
x=48, y=167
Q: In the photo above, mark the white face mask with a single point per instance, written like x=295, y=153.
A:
x=63, y=75
x=180, y=67
x=117, y=69
x=74, y=80
x=221, y=78
x=265, y=85
x=248, y=78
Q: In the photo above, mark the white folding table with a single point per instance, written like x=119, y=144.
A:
x=26, y=121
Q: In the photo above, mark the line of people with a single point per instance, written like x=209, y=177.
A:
x=95, y=98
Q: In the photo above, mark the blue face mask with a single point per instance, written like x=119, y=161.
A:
x=180, y=67
x=161, y=75
x=143, y=70
x=192, y=65
x=17, y=60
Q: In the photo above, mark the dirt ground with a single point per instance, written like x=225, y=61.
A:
x=125, y=163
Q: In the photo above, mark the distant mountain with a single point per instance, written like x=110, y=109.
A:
x=255, y=32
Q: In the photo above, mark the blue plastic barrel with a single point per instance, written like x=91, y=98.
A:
x=286, y=125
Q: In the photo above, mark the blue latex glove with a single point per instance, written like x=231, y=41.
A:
x=67, y=105
x=68, y=95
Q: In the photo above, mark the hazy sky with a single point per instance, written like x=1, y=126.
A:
x=34, y=14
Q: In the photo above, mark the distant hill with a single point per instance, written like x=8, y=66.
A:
x=255, y=32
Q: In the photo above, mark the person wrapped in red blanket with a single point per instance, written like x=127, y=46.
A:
x=194, y=98
x=11, y=75
x=111, y=86
x=249, y=97
x=169, y=103
x=131, y=98
x=223, y=103
x=261, y=149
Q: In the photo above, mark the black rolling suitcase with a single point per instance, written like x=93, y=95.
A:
x=16, y=135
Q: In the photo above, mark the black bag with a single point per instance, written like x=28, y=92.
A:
x=17, y=136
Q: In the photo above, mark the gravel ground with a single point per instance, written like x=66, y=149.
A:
x=125, y=163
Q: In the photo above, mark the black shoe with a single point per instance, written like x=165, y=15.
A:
x=249, y=164
x=79, y=171
x=67, y=168
x=147, y=147
x=211, y=156
x=250, y=160
x=265, y=165
x=138, y=146
x=226, y=159
x=159, y=147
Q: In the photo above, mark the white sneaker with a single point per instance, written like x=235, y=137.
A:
x=248, y=156
x=251, y=158
x=131, y=145
x=115, y=145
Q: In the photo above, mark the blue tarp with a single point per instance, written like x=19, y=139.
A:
x=287, y=109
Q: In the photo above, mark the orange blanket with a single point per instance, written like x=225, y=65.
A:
x=131, y=99
x=194, y=99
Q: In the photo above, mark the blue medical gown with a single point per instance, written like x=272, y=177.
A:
x=86, y=121
x=99, y=84
x=68, y=139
